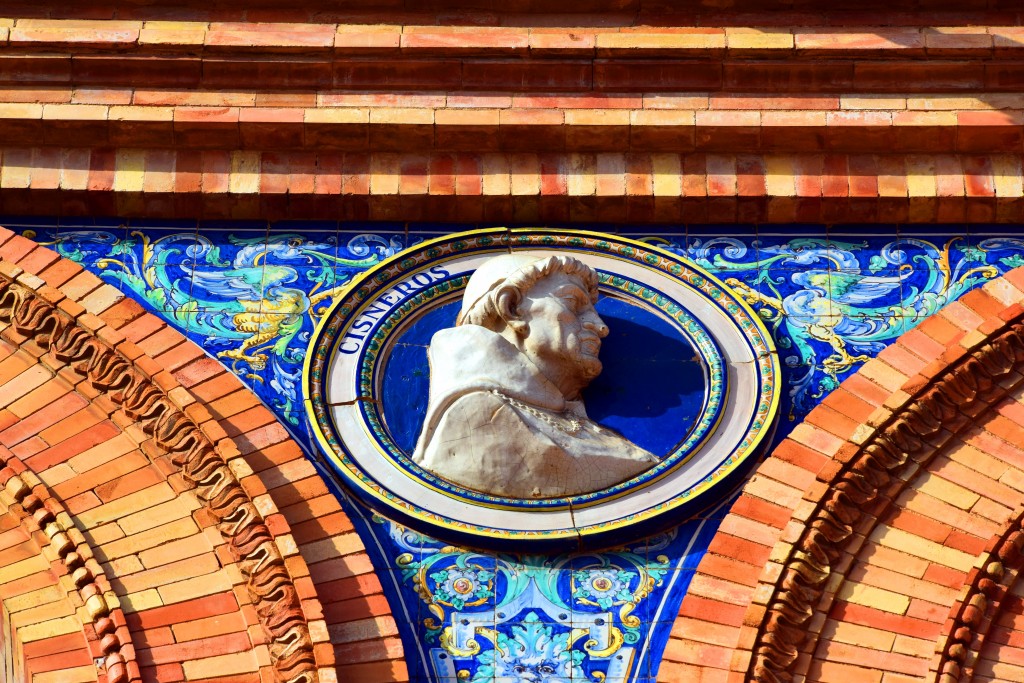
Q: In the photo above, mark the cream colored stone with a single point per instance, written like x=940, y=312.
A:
x=504, y=415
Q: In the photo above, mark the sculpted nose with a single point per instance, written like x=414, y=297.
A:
x=593, y=322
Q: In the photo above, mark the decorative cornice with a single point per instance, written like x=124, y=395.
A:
x=251, y=544
x=932, y=417
x=32, y=504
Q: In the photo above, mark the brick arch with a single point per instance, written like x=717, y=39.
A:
x=210, y=533
x=55, y=611
x=881, y=540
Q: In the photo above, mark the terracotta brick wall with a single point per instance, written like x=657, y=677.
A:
x=859, y=549
x=157, y=516
x=624, y=111
x=474, y=112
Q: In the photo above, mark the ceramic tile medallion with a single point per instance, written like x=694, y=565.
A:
x=446, y=387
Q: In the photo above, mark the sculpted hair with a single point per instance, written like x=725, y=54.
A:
x=485, y=311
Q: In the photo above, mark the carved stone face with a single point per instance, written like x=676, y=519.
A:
x=563, y=330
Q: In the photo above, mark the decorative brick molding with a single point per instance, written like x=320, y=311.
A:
x=515, y=187
x=494, y=114
x=251, y=543
x=38, y=511
x=941, y=409
x=811, y=511
x=984, y=597
x=295, y=553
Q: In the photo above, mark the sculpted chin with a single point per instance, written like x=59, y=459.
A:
x=504, y=415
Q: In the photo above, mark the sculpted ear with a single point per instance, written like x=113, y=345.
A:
x=506, y=301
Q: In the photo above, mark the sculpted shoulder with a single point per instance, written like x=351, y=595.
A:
x=483, y=443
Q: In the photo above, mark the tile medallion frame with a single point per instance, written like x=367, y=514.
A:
x=343, y=375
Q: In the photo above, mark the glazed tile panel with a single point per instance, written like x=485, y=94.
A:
x=251, y=295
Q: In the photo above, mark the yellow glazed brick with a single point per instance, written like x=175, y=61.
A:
x=188, y=33
x=129, y=170
x=240, y=468
x=876, y=598
x=20, y=110
x=580, y=180
x=26, y=567
x=245, y=173
x=76, y=112
x=385, y=173
x=864, y=636
x=222, y=665
x=872, y=102
x=667, y=174
x=103, y=453
x=742, y=38
x=15, y=175
x=336, y=115
x=923, y=548
x=1006, y=171
x=123, y=566
x=495, y=175
x=77, y=674
x=120, y=507
x=780, y=176
x=404, y=116
x=176, y=550
x=336, y=546
x=180, y=591
x=920, y=176
x=286, y=544
x=947, y=491
x=34, y=598
x=151, y=538
x=57, y=474
x=39, y=614
x=660, y=41
x=155, y=578
x=916, y=647
x=101, y=535
x=49, y=629
x=141, y=601
x=178, y=508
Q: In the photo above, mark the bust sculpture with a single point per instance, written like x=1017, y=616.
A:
x=504, y=415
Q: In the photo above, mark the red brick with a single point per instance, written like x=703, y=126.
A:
x=209, y=606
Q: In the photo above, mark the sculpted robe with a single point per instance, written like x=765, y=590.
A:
x=495, y=424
